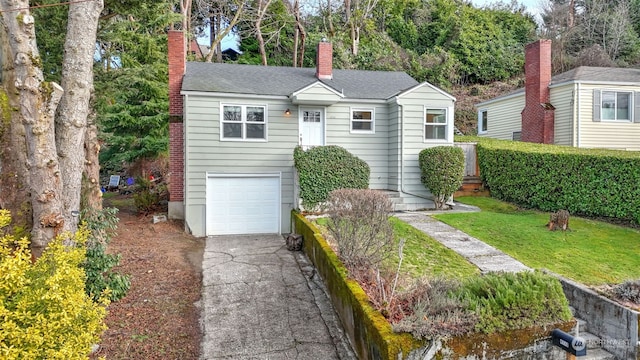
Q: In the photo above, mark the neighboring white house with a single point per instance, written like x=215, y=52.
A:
x=587, y=107
x=234, y=127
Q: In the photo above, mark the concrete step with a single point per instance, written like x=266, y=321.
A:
x=581, y=325
x=403, y=202
x=593, y=342
x=597, y=354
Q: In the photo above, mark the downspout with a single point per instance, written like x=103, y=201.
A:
x=402, y=190
x=578, y=114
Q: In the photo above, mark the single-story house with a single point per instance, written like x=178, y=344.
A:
x=587, y=107
x=233, y=129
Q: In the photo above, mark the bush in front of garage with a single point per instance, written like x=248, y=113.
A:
x=322, y=169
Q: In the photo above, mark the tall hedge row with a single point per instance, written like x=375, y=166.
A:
x=584, y=181
x=322, y=169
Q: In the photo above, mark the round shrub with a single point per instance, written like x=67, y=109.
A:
x=441, y=170
x=322, y=169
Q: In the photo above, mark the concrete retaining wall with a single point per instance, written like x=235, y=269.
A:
x=616, y=325
x=371, y=334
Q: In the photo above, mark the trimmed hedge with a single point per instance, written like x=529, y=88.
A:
x=591, y=182
x=322, y=169
x=441, y=171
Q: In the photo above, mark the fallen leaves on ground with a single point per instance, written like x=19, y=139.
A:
x=159, y=318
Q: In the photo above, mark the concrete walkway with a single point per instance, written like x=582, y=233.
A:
x=261, y=301
x=484, y=256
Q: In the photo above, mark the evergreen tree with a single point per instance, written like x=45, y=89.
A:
x=131, y=83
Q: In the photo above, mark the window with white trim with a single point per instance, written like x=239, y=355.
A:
x=435, y=124
x=482, y=122
x=616, y=105
x=244, y=122
x=362, y=121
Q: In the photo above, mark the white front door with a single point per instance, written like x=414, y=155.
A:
x=311, y=127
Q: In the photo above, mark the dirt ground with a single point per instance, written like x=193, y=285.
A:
x=159, y=316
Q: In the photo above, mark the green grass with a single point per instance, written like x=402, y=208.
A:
x=592, y=252
x=109, y=194
x=424, y=256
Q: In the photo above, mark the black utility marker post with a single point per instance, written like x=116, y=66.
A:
x=573, y=345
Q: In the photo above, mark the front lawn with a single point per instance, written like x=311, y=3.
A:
x=592, y=252
x=424, y=256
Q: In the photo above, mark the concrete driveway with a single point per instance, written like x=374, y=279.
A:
x=261, y=301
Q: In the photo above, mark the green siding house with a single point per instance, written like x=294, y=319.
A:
x=234, y=127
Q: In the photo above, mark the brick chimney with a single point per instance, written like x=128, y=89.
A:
x=177, y=65
x=538, y=113
x=324, y=61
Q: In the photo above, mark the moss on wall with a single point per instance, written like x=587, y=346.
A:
x=493, y=346
x=370, y=333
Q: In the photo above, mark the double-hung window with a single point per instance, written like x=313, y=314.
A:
x=244, y=122
x=616, y=105
x=362, y=121
x=435, y=124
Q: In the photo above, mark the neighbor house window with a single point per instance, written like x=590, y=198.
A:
x=482, y=122
x=616, y=105
x=362, y=120
x=244, y=122
x=435, y=124
x=516, y=136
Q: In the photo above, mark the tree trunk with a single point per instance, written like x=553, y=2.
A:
x=355, y=39
x=303, y=41
x=38, y=101
x=330, y=17
x=185, y=9
x=571, y=14
x=295, y=47
x=263, y=5
x=91, y=192
x=559, y=221
x=71, y=122
x=218, y=34
x=14, y=177
x=300, y=37
x=54, y=157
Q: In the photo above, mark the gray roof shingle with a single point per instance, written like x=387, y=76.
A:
x=283, y=81
x=598, y=74
x=587, y=74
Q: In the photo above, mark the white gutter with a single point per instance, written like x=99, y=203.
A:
x=578, y=115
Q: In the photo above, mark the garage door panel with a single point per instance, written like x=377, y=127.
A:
x=243, y=205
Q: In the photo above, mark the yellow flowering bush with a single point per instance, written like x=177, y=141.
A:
x=44, y=310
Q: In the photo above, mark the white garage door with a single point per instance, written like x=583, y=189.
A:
x=243, y=204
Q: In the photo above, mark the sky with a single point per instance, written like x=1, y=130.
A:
x=533, y=6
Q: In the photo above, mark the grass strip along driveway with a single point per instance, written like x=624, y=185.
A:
x=591, y=252
x=422, y=255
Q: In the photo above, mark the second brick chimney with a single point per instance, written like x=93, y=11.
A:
x=324, y=61
x=177, y=63
x=538, y=113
